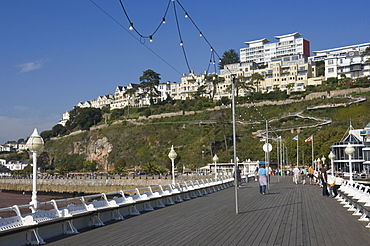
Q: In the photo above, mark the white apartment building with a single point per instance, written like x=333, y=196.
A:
x=261, y=51
x=288, y=73
x=189, y=86
x=17, y=165
x=64, y=119
x=345, y=61
x=164, y=90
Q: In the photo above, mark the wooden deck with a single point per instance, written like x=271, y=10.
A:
x=289, y=215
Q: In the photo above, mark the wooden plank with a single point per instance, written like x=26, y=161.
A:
x=289, y=215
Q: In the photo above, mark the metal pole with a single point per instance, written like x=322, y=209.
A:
x=34, y=181
x=173, y=171
x=297, y=151
x=234, y=143
x=313, y=161
x=278, y=157
x=350, y=168
x=267, y=158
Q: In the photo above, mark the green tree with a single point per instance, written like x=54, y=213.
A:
x=366, y=53
x=228, y=57
x=320, y=68
x=83, y=118
x=151, y=168
x=240, y=83
x=59, y=130
x=43, y=161
x=149, y=82
x=256, y=80
x=215, y=80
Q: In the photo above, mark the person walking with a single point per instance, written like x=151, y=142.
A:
x=303, y=175
x=262, y=175
x=310, y=175
x=296, y=175
x=324, y=179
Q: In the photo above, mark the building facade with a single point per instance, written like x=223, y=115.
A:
x=288, y=73
x=345, y=62
x=360, y=141
x=262, y=51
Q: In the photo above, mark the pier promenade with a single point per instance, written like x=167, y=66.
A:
x=288, y=215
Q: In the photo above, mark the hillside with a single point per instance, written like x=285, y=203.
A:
x=197, y=137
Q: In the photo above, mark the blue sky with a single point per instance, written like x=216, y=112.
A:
x=54, y=54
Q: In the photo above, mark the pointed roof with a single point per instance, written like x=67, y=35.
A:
x=367, y=127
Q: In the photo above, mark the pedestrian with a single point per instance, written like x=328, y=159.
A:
x=303, y=175
x=338, y=181
x=310, y=175
x=324, y=180
x=262, y=175
x=296, y=175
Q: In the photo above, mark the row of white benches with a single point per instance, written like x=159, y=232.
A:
x=356, y=198
x=148, y=198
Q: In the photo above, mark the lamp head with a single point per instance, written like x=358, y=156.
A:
x=172, y=155
x=349, y=149
x=215, y=158
x=331, y=155
x=35, y=142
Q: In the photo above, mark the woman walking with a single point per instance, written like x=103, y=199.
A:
x=262, y=179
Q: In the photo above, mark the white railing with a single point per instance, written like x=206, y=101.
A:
x=356, y=198
x=92, y=210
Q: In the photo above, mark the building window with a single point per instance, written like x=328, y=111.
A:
x=331, y=61
x=330, y=70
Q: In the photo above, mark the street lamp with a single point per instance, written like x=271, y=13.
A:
x=323, y=159
x=349, y=151
x=331, y=157
x=34, y=144
x=215, y=160
x=318, y=163
x=172, y=155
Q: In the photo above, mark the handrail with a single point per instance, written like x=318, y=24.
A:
x=96, y=202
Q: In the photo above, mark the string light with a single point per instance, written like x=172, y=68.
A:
x=164, y=20
x=131, y=26
x=200, y=34
x=186, y=15
x=151, y=38
x=181, y=43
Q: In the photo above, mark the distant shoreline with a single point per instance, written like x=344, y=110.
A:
x=11, y=198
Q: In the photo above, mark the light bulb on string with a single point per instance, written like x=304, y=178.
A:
x=151, y=38
x=200, y=34
x=181, y=43
x=186, y=15
x=164, y=20
x=131, y=26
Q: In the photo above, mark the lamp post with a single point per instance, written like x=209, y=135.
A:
x=349, y=151
x=331, y=157
x=318, y=163
x=34, y=144
x=215, y=160
x=172, y=155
